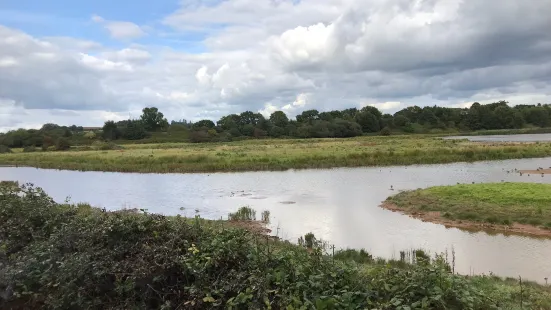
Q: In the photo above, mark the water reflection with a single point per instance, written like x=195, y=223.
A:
x=337, y=205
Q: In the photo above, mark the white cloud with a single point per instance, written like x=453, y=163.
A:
x=389, y=105
x=261, y=55
x=129, y=55
x=121, y=30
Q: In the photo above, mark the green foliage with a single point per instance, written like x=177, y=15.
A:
x=29, y=149
x=110, y=131
x=153, y=120
x=4, y=149
x=279, y=118
x=62, y=144
x=134, y=130
x=105, y=146
x=386, y=132
x=58, y=256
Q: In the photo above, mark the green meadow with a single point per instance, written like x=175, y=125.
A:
x=275, y=154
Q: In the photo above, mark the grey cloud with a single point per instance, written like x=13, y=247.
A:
x=264, y=54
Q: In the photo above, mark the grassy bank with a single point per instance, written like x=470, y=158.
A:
x=277, y=154
x=515, y=207
x=56, y=256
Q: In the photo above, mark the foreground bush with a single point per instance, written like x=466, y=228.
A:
x=57, y=256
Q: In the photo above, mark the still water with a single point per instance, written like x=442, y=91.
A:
x=543, y=137
x=340, y=206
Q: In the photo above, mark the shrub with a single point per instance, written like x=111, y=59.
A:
x=105, y=146
x=59, y=256
x=29, y=149
x=4, y=149
x=385, y=131
x=62, y=144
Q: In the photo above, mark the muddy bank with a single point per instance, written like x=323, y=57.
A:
x=437, y=218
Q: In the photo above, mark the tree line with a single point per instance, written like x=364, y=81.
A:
x=308, y=124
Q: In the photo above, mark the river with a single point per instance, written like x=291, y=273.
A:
x=542, y=137
x=340, y=206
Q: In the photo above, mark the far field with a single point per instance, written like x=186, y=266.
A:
x=523, y=208
x=276, y=154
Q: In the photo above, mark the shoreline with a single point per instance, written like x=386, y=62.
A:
x=436, y=218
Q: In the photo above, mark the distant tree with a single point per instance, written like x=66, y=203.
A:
x=111, y=131
x=368, y=121
x=372, y=110
x=427, y=117
x=248, y=130
x=153, y=119
x=249, y=118
x=308, y=116
x=134, y=130
x=277, y=131
x=505, y=117
x=62, y=144
x=401, y=121
x=49, y=126
x=206, y=123
x=229, y=122
x=538, y=116
x=279, y=118
x=345, y=129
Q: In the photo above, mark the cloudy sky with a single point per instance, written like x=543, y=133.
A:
x=84, y=62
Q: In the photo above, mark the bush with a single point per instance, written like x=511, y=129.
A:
x=385, y=131
x=105, y=146
x=29, y=149
x=59, y=256
x=62, y=144
x=4, y=149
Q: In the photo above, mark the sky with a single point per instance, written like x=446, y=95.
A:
x=85, y=62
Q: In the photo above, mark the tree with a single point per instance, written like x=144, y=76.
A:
x=308, y=116
x=153, y=119
x=279, y=118
x=343, y=129
x=135, y=130
x=111, y=131
x=427, y=117
x=62, y=144
x=401, y=121
x=505, y=117
x=368, y=121
x=372, y=110
x=206, y=123
x=250, y=118
x=229, y=121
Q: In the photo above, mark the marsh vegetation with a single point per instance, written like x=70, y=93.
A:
x=277, y=154
x=502, y=205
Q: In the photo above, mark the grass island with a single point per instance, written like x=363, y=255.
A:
x=518, y=208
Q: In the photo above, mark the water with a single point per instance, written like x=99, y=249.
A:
x=543, y=137
x=340, y=206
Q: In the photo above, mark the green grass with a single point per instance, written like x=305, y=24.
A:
x=275, y=154
x=495, y=203
x=59, y=256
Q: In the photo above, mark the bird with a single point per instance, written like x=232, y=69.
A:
x=391, y=188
